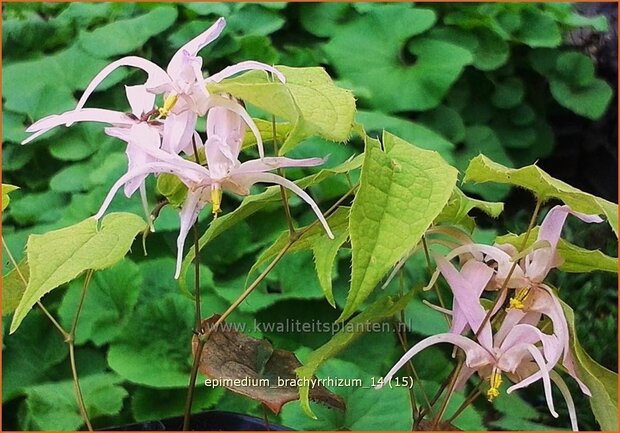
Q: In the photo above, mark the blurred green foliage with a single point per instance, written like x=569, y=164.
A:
x=459, y=79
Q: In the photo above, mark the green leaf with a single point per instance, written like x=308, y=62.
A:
x=509, y=93
x=323, y=248
x=590, y=101
x=366, y=408
x=125, y=36
x=52, y=406
x=254, y=203
x=545, y=187
x=380, y=68
x=149, y=404
x=538, y=30
x=60, y=256
x=480, y=139
x=257, y=48
x=603, y=383
x=458, y=207
x=309, y=100
x=6, y=190
x=446, y=121
x=112, y=295
x=402, y=190
x=71, y=178
x=517, y=414
x=37, y=208
x=13, y=128
x=255, y=20
x=324, y=19
x=379, y=311
x=576, y=259
x=30, y=354
x=77, y=143
x=172, y=188
x=576, y=68
x=13, y=287
x=45, y=85
x=417, y=133
x=492, y=51
x=154, y=348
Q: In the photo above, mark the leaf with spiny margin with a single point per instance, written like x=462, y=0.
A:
x=402, y=190
x=458, y=207
x=52, y=406
x=59, y=256
x=323, y=248
x=13, y=287
x=382, y=309
x=309, y=100
x=576, y=259
x=6, y=190
x=125, y=36
x=545, y=187
x=603, y=383
x=254, y=203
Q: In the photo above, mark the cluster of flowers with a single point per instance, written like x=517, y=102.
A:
x=509, y=340
x=156, y=137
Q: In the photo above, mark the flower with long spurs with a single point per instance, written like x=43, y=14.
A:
x=516, y=355
x=184, y=89
x=225, y=130
x=142, y=135
x=534, y=298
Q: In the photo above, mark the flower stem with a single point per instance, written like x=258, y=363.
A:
x=192, y=384
x=198, y=327
x=283, y=191
x=435, y=286
x=451, y=386
x=504, y=287
x=469, y=400
x=39, y=304
x=204, y=335
x=70, y=341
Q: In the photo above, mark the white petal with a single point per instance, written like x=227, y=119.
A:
x=195, y=45
x=140, y=100
x=245, y=66
x=274, y=178
x=156, y=75
x=188, y=216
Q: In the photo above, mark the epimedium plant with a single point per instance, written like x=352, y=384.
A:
x=405, y=203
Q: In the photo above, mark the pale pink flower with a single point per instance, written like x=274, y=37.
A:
x=522, y=353
x=143, y=136
x=184, y=89
x=225, y=130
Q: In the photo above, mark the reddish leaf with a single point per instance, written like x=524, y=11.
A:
x=239, y=362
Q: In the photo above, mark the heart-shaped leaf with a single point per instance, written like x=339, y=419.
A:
x=61, y=255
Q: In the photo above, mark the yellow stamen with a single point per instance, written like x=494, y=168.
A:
x=169, y=104
x=517, y=301
x=495, y=381
x=216, y=200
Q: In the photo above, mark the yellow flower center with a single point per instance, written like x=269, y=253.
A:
x=517, y=300
x=169, y=104
x=216, y=200
x=495, y=381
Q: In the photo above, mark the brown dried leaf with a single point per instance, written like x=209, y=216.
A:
x=238, y=362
